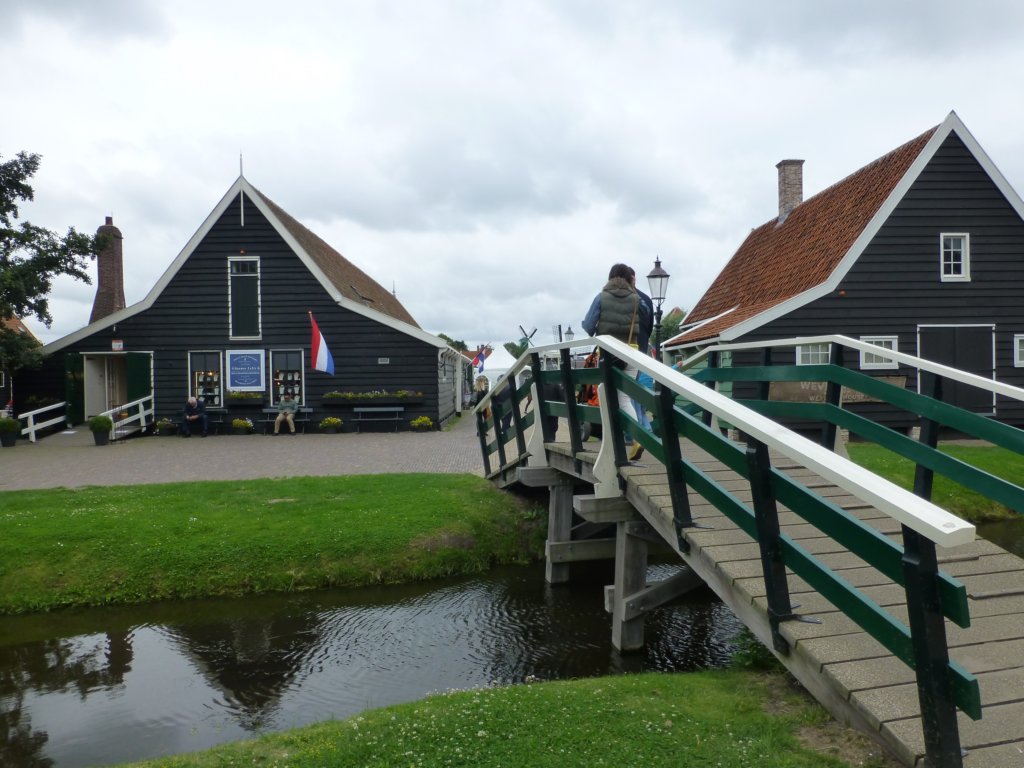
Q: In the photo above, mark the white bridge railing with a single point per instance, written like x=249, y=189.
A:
x=32, y=425
x=136, y=413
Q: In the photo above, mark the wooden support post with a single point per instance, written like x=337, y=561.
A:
x=517, y=418
x=540, y=420
x=559, y=529
x=630, y=578
x=569, y=393
x=675, y=474
x=481, y=432
x=931, y=386
x=767, y=519
x=931, y=654
x=833, y=396
x=712, y=363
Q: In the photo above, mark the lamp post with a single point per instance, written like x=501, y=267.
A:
x=658, y=282
x=569, y=335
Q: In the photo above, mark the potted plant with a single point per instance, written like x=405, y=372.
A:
x=330, y=425
x=242, y=426
x=421, y=424
x=166, y=427
x=9, y=429
x=244, y=398
x=101, y=427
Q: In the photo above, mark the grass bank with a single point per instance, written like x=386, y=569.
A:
x=106, y=545
x=959, y=500
x=722, y=718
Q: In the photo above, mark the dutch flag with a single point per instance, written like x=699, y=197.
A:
x=322, y=360
x=479, y=360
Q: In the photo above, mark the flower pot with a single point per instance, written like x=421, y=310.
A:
x=8, y=439
x=173, y=430
x=329, y=430
x=241, y=431
x=101, y=438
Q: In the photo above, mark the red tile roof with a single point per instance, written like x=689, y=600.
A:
x=779, y=261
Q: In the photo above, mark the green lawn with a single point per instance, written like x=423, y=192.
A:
x=94, y=546
x=949, y=495
x=721, y=718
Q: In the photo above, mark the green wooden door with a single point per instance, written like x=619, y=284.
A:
x=139, y=373
x=74, y=387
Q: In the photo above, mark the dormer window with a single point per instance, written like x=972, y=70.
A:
x=956, y=257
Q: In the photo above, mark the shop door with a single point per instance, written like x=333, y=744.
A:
x=139, y=371
x=969, y=348
x=74, y=387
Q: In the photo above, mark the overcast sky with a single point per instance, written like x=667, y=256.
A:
x=490, y=160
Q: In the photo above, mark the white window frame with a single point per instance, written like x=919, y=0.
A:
x=872, y=362
x=812, y=354
x=259, y=298
x=1018, y=350
x=964, y=273
x=220, y=371
x=302, y=373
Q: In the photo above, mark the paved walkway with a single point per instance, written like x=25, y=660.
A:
x=71, y=459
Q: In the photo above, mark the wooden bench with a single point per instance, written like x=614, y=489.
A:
x=392, y=413
x=302, y=417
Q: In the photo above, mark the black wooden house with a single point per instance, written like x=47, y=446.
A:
x=921, y=251
x=229, y=319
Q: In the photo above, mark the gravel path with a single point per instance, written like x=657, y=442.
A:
x=70, y=459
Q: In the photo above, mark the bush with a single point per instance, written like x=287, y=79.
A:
x=422, y=423
x=9, y=426
x=101, y=423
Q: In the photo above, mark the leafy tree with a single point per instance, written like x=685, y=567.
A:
x=671, y=322
x=30, y=258
x=456, y=344
x=516, y=348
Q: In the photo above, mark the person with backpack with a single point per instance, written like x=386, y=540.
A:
x=619, y=312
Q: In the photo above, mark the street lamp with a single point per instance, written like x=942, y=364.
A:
x=658, y=281
x=569, y=335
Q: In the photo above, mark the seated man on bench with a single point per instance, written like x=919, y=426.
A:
x=194, y=415
x=287, y=407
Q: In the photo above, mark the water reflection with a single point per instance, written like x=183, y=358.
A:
x=120, y=685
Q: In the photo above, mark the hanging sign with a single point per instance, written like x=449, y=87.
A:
x=116, y=345
x=245, y=370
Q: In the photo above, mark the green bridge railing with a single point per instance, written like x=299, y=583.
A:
x=515, y=421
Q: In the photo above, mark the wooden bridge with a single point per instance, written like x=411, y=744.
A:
x=888, y=609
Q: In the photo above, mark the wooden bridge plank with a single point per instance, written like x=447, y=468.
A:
x=849, y=672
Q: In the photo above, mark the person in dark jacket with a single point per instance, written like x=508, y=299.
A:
x=194, y=415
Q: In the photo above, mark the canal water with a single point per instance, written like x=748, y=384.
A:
x=106, y=686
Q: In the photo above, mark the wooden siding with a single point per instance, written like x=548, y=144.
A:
x=895, y=284
x=191, y=314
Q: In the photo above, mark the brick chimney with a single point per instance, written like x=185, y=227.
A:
x=110, y=277
x=791, y=186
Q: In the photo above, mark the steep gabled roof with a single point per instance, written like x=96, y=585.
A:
x=350, y=281
x=348, y=285
x=14, y=323
x=781, y=266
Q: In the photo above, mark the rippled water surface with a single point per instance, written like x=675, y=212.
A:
x=101, y=687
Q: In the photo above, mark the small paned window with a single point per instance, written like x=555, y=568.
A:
x=956, y=257
x=1018, y=350
x=871, y=361
x=287, y=367
x=812, y=354
x=244, y=298
x=204, y=377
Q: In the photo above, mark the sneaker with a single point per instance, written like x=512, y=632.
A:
x=636, y=452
